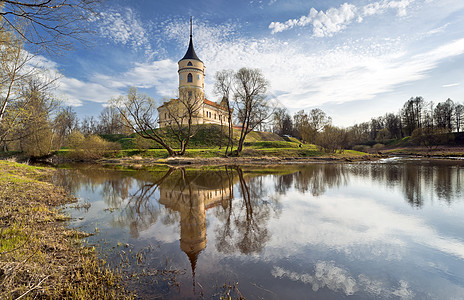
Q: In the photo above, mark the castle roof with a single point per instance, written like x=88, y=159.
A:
x=206, y=101
x=191, y=52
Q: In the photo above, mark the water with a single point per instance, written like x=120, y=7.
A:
x=393, y=229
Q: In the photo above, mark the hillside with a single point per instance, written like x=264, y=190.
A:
x=207, y=136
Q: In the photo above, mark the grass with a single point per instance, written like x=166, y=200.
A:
x=39, y=257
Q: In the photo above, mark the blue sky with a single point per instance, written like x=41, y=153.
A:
x=355, y=60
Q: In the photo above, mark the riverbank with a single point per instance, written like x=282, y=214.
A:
x=140, y=162
x=39, y=256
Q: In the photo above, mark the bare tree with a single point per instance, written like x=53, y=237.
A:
x=50, y=25
x=139, y=111
x=443, y=114
x=283, y=124
x=253, y=105
x=309, y=125
x=458, y=115
x=223, y=87
x=183, y=114
x=64, y=123
x=412, y=114
x=111, y=122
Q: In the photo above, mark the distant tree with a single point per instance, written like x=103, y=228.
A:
x=431, y=138
x=331, y=139
x=282, y=122
x=428, y=118
x=111, y=122
x=357, y=134
x=310, y=125
x=458, y=115
x=301, y=125
x=443, y=114
x=89, y=125
x=412, y=114
x=376, y=125
x=64, y=123
x=252, y=103
x=383, y=135
x=392, y=123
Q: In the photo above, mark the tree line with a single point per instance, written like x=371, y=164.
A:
x=426, y=122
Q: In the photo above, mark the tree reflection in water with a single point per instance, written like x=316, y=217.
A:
x=244, y=227
x=242, y=202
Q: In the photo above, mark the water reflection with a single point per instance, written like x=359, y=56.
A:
x=320, y=225
x=419, y=180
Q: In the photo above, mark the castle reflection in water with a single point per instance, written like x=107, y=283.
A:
x=191, y=198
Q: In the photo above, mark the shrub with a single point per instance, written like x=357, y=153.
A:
x=91, y=147
x=430, y=138
x=361, y=148
x=378, y=146
x=142, y=143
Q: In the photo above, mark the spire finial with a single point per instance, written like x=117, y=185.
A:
x=191, y=28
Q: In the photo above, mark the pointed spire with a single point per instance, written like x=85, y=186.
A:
x=190, y=51
x=191, y=27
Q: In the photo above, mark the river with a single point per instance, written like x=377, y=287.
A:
x=392, y=229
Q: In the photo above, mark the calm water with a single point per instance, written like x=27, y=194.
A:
x=387, y=230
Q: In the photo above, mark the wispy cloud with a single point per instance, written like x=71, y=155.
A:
x=451, y=85
x=337, y=279
x=123, y=26
x=333, y=20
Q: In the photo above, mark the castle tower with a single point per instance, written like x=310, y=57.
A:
x=191, y=73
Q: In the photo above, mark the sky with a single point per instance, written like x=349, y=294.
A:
x=354, y=59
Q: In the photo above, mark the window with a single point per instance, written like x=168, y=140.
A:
x=198, y=77
x=181, y=76
x=189, y=63
x=189, y=77
x=215, y=116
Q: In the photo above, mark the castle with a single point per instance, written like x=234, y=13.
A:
x=191, y=101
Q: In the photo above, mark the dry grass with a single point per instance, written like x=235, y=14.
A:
x=39, y=257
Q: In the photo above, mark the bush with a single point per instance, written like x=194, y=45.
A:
x=378, y=146
x=361, y=148
x=91, y=147
x=430, y=138
x=142, y=143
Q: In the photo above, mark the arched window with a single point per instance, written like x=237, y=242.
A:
x=181, y=76
x=198, y=77
x=189, y=63
x=189, y=77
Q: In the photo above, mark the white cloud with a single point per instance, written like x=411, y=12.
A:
x=451, y=85
x=335, y=20
x=305, y=78
x=123, y=26
x=337, y=279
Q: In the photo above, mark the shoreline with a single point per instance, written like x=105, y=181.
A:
x=138, y=161
x=39, y=256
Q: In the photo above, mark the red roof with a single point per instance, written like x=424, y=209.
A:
x=206, y=101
